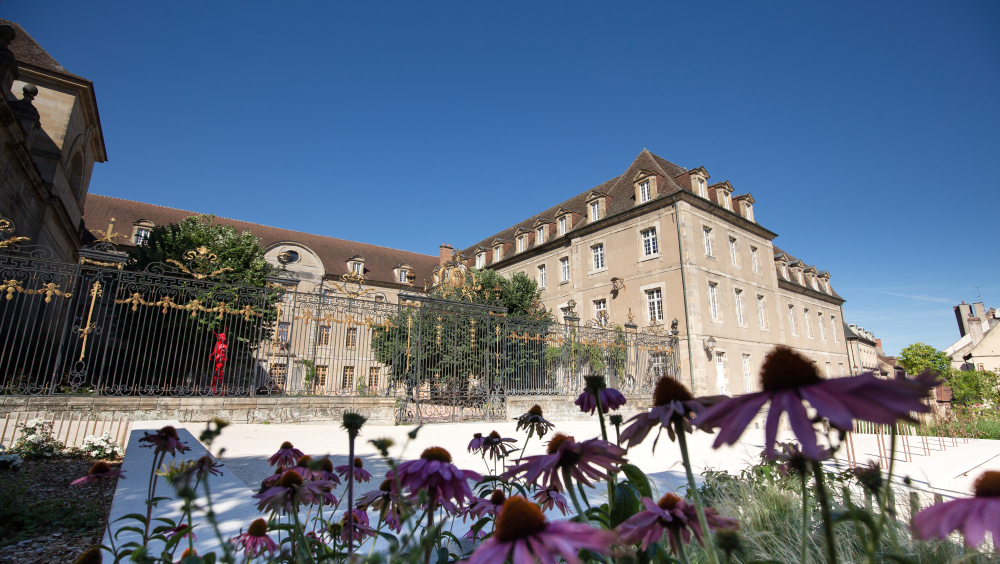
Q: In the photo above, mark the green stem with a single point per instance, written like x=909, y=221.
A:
x=150, y=494
x=531, y=430
x=824, y=506
x=682, y=442
x=805, y=519
x=107, y=517
x=568, y=479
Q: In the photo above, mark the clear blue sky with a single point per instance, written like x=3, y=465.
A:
x=868, y=132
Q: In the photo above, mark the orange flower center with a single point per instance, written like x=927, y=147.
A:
x=436, y=453
x=668, y=502
x=386, y=486
x=290, y=478
x=326, y=465
x=497, y=498
x=100, y=468
x=358, y=463
x=567, y=457
x=557, y=441
x=169, y=432
x=286, y=445
x=988, y=485
x=519, y=519
x=535, y=410
x=304, y=461
x=258, y=528
x=784, y=369
x=91, y=556
x=668, y=390
x=494, y=435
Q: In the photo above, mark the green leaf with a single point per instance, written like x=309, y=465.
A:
x=855, y=514
x=135, y=516
x=638, y=479
x=626, y=504
x=132, y=529
x=900, y=559
x=413, y=434
x=392, y=540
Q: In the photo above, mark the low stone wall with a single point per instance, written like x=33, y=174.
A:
x=378, y=410
x=562, y=408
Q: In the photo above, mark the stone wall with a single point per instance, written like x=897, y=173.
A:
x=379, y=410
x=562, y=408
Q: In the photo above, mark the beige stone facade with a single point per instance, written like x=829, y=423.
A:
x=658, y=244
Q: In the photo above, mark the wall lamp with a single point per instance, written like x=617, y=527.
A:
x=710, y=345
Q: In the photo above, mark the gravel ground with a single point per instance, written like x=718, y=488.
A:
x=45, y=520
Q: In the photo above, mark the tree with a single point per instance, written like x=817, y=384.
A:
x=918, y=357
x=974, y=386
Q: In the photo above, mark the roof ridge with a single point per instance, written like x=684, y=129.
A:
x=262, y=225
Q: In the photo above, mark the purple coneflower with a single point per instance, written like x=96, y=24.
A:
x=611, y=399
x=308, y=469
x=973, y=516
x=384, y=501
x=357, y=471
x=164, y=440
x=326, y=470
x=286, y=455
x=523, y=535
x=481, y=507
x=183, y=530
x=434, y=473
x=588, y=459
x=90, y=556
x=533, y=422
x=672, y=514
x=255, y=540
x=290, y=491
x=359, y=524
x=788, y=378
x=672, y=401
x=493, y=445
x=549, y=498
x=206, y=465
x=99, y=471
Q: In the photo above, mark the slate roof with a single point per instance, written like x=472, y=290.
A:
x=792, y=280
x=379, y=261
x=673, y=178
x=27, y=51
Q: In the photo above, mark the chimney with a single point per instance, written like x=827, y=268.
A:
x=975, y=329
x=447, y=252
x=878, y=347
x=962, y=313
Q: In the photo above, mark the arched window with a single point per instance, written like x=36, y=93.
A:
x=76, y=174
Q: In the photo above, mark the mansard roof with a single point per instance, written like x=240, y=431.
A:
x=379, y=261
x=792, y=261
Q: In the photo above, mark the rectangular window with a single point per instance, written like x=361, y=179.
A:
x=753, y=260
x=595, y=211
x=713, y=299
x=840, y=367
x=747, y=376
x=321, y=376
x=701, y=188
x=347, y=381
x=791, y=318
x=141, y=236
x=404, y=276
x=357, y=267
x=707, y=236
x=562, y=225
x=761, y=312
x=520, y=244
x=801, y=281
x=784, y=271
x=539, y=236
x=649, y=245
x=283, y=328
x=819, y=323
x=721, y=380
x=601, y=311
x=324, y=335
x=480, y=260
x=829, y=370
x=732, y=250
x=496, y=253
x=833, y=328
x=278, y=373
x=541, y=276
x=654, y=301
x=598, y=251
x=644, y=192
x=564, y=269
x=740, y=311
x=352, y=337
x=373, y=378
x=809, y=327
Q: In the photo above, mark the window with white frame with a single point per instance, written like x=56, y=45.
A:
x=721, y=380
x=809, y=327
x=480, y=260
x=732, y=250
x=791, y=319
x=747, y=376
x=740, y=311
x=833, y=328
x=539, y=236
x=706, y=233
x=819, y=323
x=562, y=225
x=649, y=245
x=826, y=286
x=141, y=236
x=595, y=211
x=761, y=312
x=598, y=253
x=497, y=250
x=701, y=188
x=644, y=194
x=814, y=284
x=727, y=201
x=357, y=267
x=829, y=370
x=749, y=211
x=753, y=260
x=654, y=302
x=840, y=367
x=404, y=275
x=601, y=311
x=801, y=281
x=541, y=276
x=564, y=269
x=520, y=243
x=784, y=271
x=713, y=299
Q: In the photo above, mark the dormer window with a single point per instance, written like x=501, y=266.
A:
x=727, y=201
x=644, y=193
x=814, y=284
x=403, y=273
x=801, y=282
x=497, y=253
x=404, y=276
x=480, y=260
x=784, y=271
x=701, y=188
x=539, y=236
x=750, y=211
x=357, y=267
x=521, y=243
x=141, y=231
x=562, y=225
x=595, y=211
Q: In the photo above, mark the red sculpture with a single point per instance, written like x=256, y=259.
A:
x=219, y=356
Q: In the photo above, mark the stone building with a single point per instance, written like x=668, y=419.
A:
x=51, y=134
x=862, y=349
x=978, y=347
x=661, y=244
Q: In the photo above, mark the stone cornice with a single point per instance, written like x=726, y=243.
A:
x=822, y=296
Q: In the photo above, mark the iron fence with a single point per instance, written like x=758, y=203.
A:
x=180, y=329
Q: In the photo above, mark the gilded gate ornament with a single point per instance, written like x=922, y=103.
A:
x=50, y=289
x=201, y=263
x=89, y=327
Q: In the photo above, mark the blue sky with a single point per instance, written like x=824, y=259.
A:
x=868, y=132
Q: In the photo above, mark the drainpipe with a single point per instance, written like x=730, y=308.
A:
x=687, y=323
